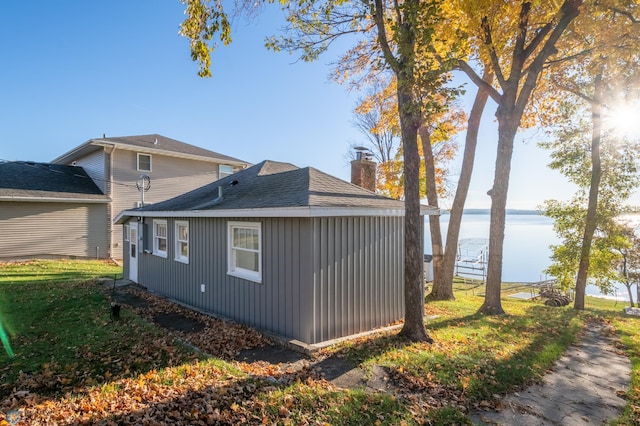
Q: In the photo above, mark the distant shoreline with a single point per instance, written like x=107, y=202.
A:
x=508, y=211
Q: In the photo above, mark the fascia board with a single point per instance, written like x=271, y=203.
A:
x=274, y=212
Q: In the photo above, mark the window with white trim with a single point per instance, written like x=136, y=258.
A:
x=245, y=250
x=160, y=237
x=144, y=162
x=126, y=232
x=182, y=241
x=224, y=170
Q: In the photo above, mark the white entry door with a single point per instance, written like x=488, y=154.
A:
x=133, y=251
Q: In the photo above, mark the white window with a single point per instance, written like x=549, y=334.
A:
x=144, y=162
x=160, y=237
x=182, y=241
x=126, y=232
x=245, y=250
x=224, y=170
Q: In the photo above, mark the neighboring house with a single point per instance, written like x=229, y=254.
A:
x=50, y=209
x=290, y=250
x=116, y=165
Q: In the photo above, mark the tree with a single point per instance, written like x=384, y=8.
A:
x=515, y=40
x=629, y=266
x=376, y=118
x=396, y=36
x=443, y=282
x=618, y=177
x=606, y=66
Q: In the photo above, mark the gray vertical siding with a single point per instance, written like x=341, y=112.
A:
x=357, y=275
x=274, y=305
x=47, y=229
x=322, y=278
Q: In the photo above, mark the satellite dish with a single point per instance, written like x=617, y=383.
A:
x=143, y=184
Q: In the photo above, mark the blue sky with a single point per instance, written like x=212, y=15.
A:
x=76, y=70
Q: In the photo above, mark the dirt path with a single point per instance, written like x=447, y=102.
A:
x=586, y=386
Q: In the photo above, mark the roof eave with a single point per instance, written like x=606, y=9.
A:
x=306, y=211
x=54, y=199
x=73, y=154
x=148, y=150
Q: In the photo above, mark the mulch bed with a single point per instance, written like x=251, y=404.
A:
x=210, y=335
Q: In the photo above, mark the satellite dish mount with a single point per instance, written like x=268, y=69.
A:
x=143, y=184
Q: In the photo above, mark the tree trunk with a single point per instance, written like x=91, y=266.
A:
x=413, y=328
x=508, y=123
x=443, y=288
x=592, y=209
x=629, y=285
x=432, y=199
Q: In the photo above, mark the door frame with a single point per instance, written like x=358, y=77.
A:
x=134, y=240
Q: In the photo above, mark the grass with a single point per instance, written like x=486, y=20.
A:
x=75, y=364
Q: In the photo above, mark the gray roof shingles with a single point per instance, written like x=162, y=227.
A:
x=272, y=184
x=42, y=180
x=155, y=141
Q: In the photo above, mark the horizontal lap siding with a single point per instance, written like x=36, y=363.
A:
x=170, y=177
x=34, y=229
x=274, y=305
x=358, y=275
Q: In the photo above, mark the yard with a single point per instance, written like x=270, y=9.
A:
x=74, y=364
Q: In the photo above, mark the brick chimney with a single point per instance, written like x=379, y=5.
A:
x=363, y=170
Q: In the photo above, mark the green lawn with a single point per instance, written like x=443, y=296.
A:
x=74, y=364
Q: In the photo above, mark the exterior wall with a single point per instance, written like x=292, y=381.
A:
x=44, y=229
x=322, y=278
x=94, y=165
x=170, y=177
x=358, y=276
x=280, y=304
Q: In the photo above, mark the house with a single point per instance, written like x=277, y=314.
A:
x=289, y=250
x=38, y=200
x=116, y=165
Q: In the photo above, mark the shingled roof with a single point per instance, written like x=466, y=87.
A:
x=272, y=189
x=28, y=180
x=149, y=143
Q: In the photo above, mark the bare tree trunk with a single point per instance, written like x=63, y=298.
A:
x=432, y=199
x=413, y=328
x=592, y=209
x=443, y=288
x=508, y=124
x=629, y=285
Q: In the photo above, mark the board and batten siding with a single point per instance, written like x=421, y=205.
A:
x=358, y=275
x=322, y=278
x=170, y=177
x=279, y=304
x=47, y=229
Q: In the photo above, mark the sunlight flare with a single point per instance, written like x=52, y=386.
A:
x=623, y=120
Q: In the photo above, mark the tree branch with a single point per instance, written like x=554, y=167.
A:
x=382, y=37
x=493, y=56
x=568, y=12
x=478, y=81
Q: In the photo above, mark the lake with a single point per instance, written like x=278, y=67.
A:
x=527, y=242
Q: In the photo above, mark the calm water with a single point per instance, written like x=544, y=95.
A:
x=526, y=244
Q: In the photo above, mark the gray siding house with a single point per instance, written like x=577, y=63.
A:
x=289, y=250
x=50, y=209
x=116, y=164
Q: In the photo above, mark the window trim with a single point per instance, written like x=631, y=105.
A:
x=178, y=253
x=220, y=174
x=232, y=269
x=156, y=237
x=126, y=231
x=138, y=162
